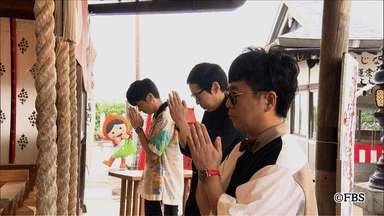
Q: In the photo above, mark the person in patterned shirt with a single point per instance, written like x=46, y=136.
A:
x=162, y=180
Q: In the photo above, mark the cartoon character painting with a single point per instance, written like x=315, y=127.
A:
x=115, y=128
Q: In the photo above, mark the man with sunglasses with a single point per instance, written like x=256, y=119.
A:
x=267, y=173
x=208, y=84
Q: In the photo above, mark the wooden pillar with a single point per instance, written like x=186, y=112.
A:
x=58, y=17
x=334, y=42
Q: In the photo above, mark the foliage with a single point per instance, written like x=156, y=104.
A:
x=131, y=167
x=315, y=118
x=107, y=108
x=286, y=119
x=368, y=121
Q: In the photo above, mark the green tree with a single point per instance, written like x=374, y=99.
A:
x=315, y=118
x=107, y=108
x=368, y=121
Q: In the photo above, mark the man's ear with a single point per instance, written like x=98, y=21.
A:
x=150, y=97
x=271, y=100
x=215, y=87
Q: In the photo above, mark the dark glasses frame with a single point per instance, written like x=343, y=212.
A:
x=232, y=96
x=196, y=95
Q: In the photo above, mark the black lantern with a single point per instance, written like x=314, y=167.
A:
x=376, y=181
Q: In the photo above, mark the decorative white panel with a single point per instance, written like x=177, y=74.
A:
x=26, y=132
x=361, y=156
x=5, y=89
x=373, y=156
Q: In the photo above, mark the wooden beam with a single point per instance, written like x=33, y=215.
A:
x=14, y=175
x=334, y=42
x=164, y=6
x=22, y=9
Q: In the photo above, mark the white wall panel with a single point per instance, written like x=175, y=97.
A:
x=5, y=89
x=26, y=132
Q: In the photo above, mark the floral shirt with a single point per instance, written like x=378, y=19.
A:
x=163, y=178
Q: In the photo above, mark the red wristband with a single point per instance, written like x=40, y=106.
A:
x=204, y=174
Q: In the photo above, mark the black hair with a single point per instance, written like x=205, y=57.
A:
x=139, y=90
x=113, y=123
x=204, y=74
x=273, y=70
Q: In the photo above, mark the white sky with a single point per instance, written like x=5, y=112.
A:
x=171, y=44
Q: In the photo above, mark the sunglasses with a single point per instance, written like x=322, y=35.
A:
x=196, y=95
x=233, y=96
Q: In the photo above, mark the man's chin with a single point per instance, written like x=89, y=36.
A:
x=236, y=124
x=205, y=109
x=146, y=112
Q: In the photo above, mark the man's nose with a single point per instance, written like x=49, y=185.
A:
x=229, y=105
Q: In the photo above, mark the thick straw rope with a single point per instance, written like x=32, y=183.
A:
x=74, y=150
x=45, y=84
x=63, y=125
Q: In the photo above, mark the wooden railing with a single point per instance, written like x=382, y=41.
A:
x=13, y=185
